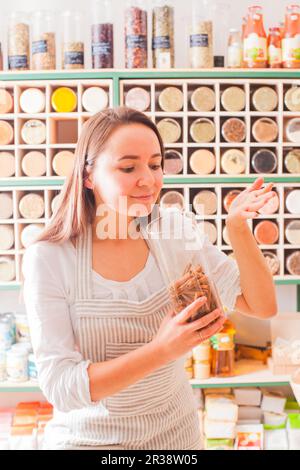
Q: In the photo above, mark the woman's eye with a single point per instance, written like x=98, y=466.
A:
x=127, y=170
x=156, y=167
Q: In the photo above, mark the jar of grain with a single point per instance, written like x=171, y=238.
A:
x=72, y=40
x=43, y=49
x=18, y=41
x=163, y=34
x=200, y=38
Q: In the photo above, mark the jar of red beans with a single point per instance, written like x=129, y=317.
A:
x=136, y=46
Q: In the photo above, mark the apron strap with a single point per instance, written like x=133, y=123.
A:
x=84, y=265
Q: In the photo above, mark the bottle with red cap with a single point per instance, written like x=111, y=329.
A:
x=274, y=48
x=291, y=38
x=255, y=39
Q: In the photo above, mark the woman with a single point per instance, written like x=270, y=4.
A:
x=109, y=350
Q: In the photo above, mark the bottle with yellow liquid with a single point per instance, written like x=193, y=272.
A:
x=222, y=364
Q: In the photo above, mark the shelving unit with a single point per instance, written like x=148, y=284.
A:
x=117, y=82
x=248, y=373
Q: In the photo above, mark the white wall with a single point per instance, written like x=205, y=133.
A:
x=236, y=9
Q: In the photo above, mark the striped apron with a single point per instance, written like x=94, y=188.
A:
x=158, y=411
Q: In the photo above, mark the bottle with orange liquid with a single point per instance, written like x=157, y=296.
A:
x=255, y=39
x=291, y=38
x=222, y=360
x=274, y=48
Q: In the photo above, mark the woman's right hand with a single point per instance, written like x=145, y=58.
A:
x=176, y=336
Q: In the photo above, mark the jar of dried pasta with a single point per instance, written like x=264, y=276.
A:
x=43, y=41
x=163, y=34
x=72, y=40
x=18, y=41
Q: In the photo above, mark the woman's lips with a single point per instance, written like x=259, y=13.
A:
x=143, y=198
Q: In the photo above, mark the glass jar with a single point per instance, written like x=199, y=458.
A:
x=18, y=41
x=222, y=364
x=17, y=366
x=72, y=40
x=291, y=38
x=2, y=365
x=176, y=242
x=43, y=49
x=1, y=58
x=163, y=34
x=102, y=35
x=201, y=36
x=274, y=48
x=22, y=328
x=136, y=40
x=5, y=332
x=234, y=49
x=255, y=40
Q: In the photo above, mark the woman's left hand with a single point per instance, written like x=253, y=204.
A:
x=249, y=202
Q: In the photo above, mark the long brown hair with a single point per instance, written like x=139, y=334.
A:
x=77, y=206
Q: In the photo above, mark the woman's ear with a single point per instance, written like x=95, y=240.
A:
x=88, y=184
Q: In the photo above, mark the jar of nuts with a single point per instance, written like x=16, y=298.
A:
x=72, y=40
x=18, y=41
x=136, y=43
x=43, y=50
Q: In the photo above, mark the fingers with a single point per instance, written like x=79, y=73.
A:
x=183, y=316
x=211, y=330
x=206, y=320
x=265, y=190
x=256, y=185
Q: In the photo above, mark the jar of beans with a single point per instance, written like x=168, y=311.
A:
x=43, y=41
x=163, y=34
x=72, y=40
x=18, y=41
x=102, y=35
x=136, y=48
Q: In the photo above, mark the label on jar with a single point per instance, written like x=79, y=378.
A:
x=222, y=342
x=199, y=40
x=161, y=42
x=274, y=55
x=101, y=48
x=73, y=57
x=17, y=62
x=255, y=48
x=291, y=49
x=39, y=47
x=136, y=41
x=234, y=56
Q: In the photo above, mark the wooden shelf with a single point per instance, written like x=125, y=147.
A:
x=247, y=374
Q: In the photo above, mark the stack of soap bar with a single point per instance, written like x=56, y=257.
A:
x=7, y=238
x=32, y=206
x=250, y=414
x=221, y=414
x=7, y=269
x=247, y=396
x=6, y=205
x=7, y=164
x=273, y=401
x=249, y=437
x=293, y=428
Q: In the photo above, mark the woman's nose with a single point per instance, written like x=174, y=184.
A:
x=146, y=178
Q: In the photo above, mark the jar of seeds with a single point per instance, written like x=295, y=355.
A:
x=136, y=35
x=102, y=35
x=200, y=38
x=163, y=34
x=72, y=40
x=18, y=41
x=43, y=50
